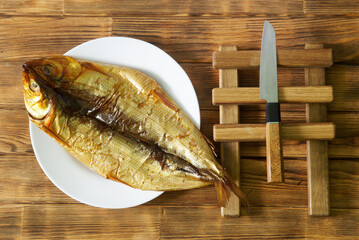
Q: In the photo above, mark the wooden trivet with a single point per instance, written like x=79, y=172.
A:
x=316, y=131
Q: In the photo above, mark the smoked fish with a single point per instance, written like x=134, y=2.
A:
x=125, y=104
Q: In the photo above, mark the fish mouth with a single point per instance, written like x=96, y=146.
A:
x=29, y=69
x=38, y=103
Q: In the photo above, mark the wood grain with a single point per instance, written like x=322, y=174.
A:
x=25, y=37
x=230, y=151
x=286, y=58
x=327, y=7
x=345, y=82
x=259, y=223
x=11, y=221
x=242, y=95
x=179, y=36
x=32, y=7
x=25, y=183
x=317, y=151
x=274, y=152
x=258, y=132
x=184, y=8
x=79, y=221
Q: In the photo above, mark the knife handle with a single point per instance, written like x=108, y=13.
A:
x=274, y=145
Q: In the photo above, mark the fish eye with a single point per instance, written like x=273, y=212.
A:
x=34, y=86
x=48, y=69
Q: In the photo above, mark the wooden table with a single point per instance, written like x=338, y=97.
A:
x=32, y=207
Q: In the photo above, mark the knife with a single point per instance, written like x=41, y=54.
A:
x=268, y=90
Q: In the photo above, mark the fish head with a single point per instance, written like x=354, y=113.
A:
x=39, y=99
x=55, y=71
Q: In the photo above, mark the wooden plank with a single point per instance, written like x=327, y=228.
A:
x=257, y=132
x=317, y=151
x=230, y=151
x=286, y=58
x=345, y=82
x=243, y=95
x=273, y=223
x=327, y=7
x=14, y=135
x=38, y=7
x=32, y=37
x=23, y=182
x=80, y=221
x=344, y=186
x=10, y=221
x=193, y=39
x=187, y=8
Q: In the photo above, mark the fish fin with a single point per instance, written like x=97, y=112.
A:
x=224, y=186
x=223, y=193
x=117, y=180
x=165, y=99
x=211, y=145
x=94, y=67
x=236, y=190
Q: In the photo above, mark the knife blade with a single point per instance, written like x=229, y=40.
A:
x=268, y=90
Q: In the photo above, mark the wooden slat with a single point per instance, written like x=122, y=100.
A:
x=257, y=132
x=185, y=8
x=286, y=58
x=317, y=151
x=24, y=182
x=265, y=223
x=342, y=7
x=193, y=39
x=10, y=221
x=230, y=151
x=345, y=149
x=32, y=37
x=80, y=221
x=346, y=124
x=344, y=186
x=38, y=7
x=320, y=94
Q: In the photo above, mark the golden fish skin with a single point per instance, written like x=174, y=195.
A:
x=110, y=153
x=131, y=102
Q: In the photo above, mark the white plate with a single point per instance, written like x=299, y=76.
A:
x=79, y=181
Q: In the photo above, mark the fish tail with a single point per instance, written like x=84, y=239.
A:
x=224, y=186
